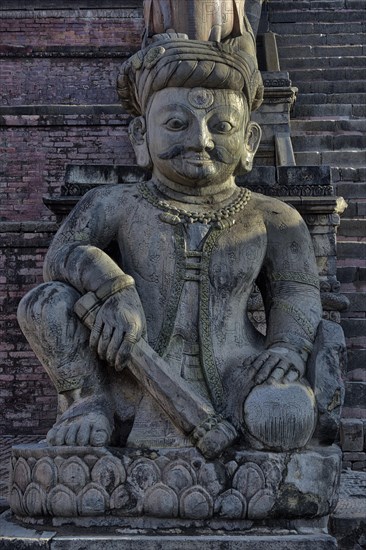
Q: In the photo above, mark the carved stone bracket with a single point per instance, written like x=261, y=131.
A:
x=274, y=118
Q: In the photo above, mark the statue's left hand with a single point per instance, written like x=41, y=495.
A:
x=119, y=324
x=275, y=365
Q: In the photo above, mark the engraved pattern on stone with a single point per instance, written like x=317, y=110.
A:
x=179, y=475
x=61, y=501
x=35, y=500
x=161, y=501
x=93, y=500
x=22, y=474
x=261, y=504
x=231, y=504
x=109, y=473
x=74, y=473
x=196, y=503
x=143, y=474
x=45, y=473
x=249, y=479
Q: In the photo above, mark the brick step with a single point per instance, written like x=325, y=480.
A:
x=329, y=142
x=352, y=250
x=279, y=13
x=333, y=158
x=329, y=110
x=329, y=74
x=329, y=86
x=288, y=5
x=351, y=190
x=321, y=99
x=355, y=227
x=357, y=302
x=356, y=360
x=351, y=274
x=356, y=207
x=328, y=125
x=319, y=39
x=289, y=52
x=349, y=174
x=307, y=27
x=310, y=62
x=355, y=392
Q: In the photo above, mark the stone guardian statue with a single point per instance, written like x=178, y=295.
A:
x=150, y=347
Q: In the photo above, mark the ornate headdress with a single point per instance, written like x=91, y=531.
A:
x=172, y=60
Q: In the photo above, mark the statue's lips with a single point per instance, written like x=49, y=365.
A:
x=198, y=160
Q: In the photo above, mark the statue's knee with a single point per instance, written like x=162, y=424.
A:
x=49, y=300
x=280, y=417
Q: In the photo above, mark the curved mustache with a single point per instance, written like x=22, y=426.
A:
x=218, y=153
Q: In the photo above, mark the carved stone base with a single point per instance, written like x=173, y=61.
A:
x=14, y=537
x=178, y=486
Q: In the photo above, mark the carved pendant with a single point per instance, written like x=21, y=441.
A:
x=167, y=217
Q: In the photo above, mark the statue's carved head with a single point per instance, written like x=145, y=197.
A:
x=193, y=101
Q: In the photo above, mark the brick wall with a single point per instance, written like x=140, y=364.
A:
x=38, y=147
x=27, y=398
x=58, y=106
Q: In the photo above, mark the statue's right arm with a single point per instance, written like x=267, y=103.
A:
x=76, y=254
x=110, y=305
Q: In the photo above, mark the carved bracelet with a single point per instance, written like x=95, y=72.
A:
x=107, y=289
x=87, y=307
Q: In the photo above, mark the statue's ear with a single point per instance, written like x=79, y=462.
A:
x=252, y=138
x=137, y=133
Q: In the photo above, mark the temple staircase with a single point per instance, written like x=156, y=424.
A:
x=323, y=46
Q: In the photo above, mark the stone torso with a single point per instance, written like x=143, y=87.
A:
x=184, y=269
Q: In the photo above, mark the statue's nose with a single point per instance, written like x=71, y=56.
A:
x=200, y=139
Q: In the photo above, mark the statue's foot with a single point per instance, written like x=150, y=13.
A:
x=82, y=424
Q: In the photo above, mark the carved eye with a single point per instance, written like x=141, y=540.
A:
x=175, y=124
x=223, y=127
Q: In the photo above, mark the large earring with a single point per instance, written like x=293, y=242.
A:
x=138, y=138
x=245, y=165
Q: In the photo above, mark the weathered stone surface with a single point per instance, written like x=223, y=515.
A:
x=302, y=542
x=325, y=374
x=15, y=537
x=82, y=482
x=352, y=435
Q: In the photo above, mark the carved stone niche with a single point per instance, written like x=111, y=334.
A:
x=168, y=488
x=79, y=179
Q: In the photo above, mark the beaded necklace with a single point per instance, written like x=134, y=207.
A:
x=222, y=217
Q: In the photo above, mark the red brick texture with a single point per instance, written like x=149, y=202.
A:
x=58, y=106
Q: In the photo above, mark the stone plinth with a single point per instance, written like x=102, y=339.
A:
x=14, y=537
x=173, y=487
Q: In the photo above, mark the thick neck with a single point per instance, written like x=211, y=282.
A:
x=210, y=194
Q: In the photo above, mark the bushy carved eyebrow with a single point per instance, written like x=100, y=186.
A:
x=227, y=110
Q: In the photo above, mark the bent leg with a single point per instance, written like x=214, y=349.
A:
x=61, y=343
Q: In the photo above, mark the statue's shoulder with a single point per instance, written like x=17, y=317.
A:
x=273, y=209
x=110, y=195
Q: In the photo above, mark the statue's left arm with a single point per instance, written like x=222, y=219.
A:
x=289, y=282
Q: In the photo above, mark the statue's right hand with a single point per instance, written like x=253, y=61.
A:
x=119, y=324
